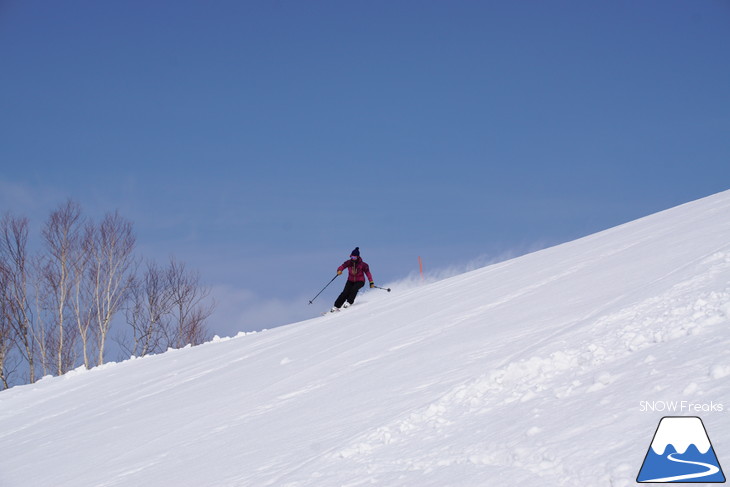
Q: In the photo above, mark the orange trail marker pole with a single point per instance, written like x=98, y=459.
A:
x=420, y=266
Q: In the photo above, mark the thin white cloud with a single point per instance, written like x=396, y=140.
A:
x=22, y=198
x=239, y=309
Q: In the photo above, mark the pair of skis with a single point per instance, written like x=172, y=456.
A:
x=335, y=310
x=374, y=287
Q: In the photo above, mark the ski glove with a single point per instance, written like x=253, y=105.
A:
x=339, y=273
x=372, y=284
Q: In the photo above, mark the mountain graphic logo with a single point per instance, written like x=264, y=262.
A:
x=681, y=452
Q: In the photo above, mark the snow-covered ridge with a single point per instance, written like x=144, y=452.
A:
x=527, y=372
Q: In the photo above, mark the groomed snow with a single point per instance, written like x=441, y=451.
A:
x=531, y=372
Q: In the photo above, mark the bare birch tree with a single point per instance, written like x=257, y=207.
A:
x=82, y=295
x=7, y=336
x=62, y=240
x=16, y=300
x=168, y=309
x=148, y=313
x=188, y=306
x=42, y=323
x=112, y=246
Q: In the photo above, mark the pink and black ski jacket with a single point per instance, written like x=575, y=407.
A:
x=357, y=270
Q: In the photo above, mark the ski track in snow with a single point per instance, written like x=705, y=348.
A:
x=671, y=316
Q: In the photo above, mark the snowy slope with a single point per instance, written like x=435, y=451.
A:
x=535, y=371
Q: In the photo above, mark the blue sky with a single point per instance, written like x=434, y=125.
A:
x=261, y=141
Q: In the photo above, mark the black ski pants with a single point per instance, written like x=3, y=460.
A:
x=348, y=294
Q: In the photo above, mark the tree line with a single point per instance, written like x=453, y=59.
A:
x=60, y=303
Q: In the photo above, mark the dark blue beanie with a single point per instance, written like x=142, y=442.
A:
x=356, y=252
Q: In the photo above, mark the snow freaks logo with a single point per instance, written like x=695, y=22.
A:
x=680, y=452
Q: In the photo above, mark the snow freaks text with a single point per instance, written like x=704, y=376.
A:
x=680, y=407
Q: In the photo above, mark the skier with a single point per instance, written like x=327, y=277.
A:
x=357, y=270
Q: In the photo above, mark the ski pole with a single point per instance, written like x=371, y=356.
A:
x=312, y=300
x=383, y=288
